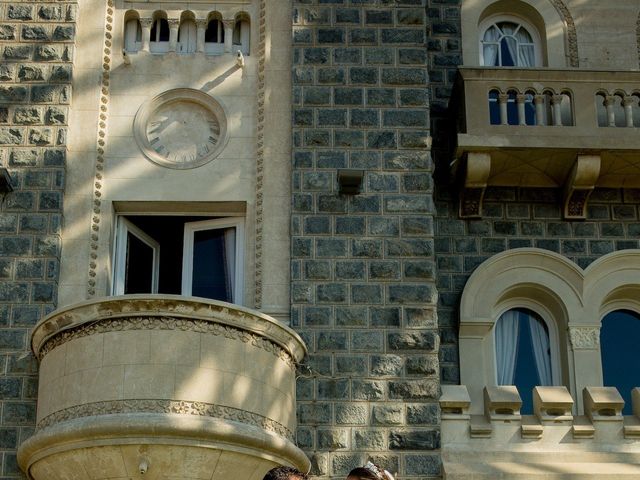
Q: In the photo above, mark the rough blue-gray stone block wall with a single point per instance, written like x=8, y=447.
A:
x=363, y=271
x=36, y=50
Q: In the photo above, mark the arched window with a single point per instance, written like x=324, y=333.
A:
x=619, y=340
x=132, y=35
x=159, y=41
x=523, y=352
x=187, y=36
x=242, y=34
x=214, y=37
x=509, y=42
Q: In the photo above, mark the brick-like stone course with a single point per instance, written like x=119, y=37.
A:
x=363, y=267
x=36, y=49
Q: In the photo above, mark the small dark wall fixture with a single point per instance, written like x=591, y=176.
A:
x=350, y=181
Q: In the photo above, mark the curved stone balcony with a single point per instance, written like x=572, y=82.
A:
x=180, y=388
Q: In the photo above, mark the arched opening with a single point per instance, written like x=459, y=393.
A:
x=187, y=34
x=132, y=32
x=242, y=33
x=509, y=41
x=214, y=35
x=619, y=340
x=159, y=41
x=523, y=353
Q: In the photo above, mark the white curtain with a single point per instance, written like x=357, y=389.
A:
x=507, y=346
x=490, y=46
x=527, y=56
x=541, y=352
x=509, y=30
x=230, y=261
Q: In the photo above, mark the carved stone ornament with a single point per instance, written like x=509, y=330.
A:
x=181, y=128
x=170, y=312
x=180, y=407
x=584, y=338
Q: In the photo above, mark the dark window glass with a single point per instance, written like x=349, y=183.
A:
x=619, y=340
x=210, y=276
x=164, y=30
x=139, y=274
x=214, y=29
x=494, y=108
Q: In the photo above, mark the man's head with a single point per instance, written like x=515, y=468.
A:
x=285, y=473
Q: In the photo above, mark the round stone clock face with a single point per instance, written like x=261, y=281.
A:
x=181, y=129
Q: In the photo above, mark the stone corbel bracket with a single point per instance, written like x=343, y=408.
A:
x=473, y=183
x=580, y=185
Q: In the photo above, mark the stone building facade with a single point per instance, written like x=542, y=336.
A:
x=379, y=198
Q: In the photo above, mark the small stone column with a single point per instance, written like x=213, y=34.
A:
x=610, y=104
x=521, y=100
x=538, y=100
x=174, y=25
x=229, y=23
x=627, y=103
x=503, y=100
x=146, y=24
x=201, y=26
x=556, y=101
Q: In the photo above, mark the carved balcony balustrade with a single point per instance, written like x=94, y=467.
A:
x=572, y=129
x=162, y=386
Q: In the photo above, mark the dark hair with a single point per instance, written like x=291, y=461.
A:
x=285, y=473
x=363, y=474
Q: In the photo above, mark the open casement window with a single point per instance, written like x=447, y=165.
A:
x=619, y=340
x=523, y=353
x=190, y=256
x=509, y=43
x=132, y=35
x=187, y=37
x=137, y=260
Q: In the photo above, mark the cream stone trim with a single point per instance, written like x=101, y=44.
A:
x=159, y=428
x=572, y=299
x=183, y=96
x=586, y=338
x=260, y=154
x=100, y=149
x=180, y=407
x=550, y=17
x=167, y=312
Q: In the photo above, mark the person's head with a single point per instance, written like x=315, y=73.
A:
x=369, y=472
x=285, y=473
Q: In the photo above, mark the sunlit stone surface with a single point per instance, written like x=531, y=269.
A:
x=175, y=387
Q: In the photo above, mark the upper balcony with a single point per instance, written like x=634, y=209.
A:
x=162, y=386
x=573, y=129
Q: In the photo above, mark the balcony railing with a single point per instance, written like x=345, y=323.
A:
x=181, y=387
x=574, y=129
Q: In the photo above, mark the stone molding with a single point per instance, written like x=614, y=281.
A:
x=260, y=156
x=142, y=312
x=180, y=407
x=103, y=108
x=584, y=338
x=572, y=37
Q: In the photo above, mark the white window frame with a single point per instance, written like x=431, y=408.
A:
x=528, y=26
x=216, y=47
x=155, y=45
x=187, y=253
x=124, y=227
x=188, y=46
x=131, y=29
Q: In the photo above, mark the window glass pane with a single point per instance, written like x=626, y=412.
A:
x=508, y=51
x=619, y=340
x=211, y=270
x=494, y=108
x=139, y=270
x=523, y=353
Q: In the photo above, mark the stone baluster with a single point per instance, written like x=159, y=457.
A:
x=174, y=25
x=146, y=24
x=610, y=103
x=521, y=101
x=539, y=101
x=503, y=100
x=556, y=101
x=201, y=29
x=627, y=103
x=228, y=23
